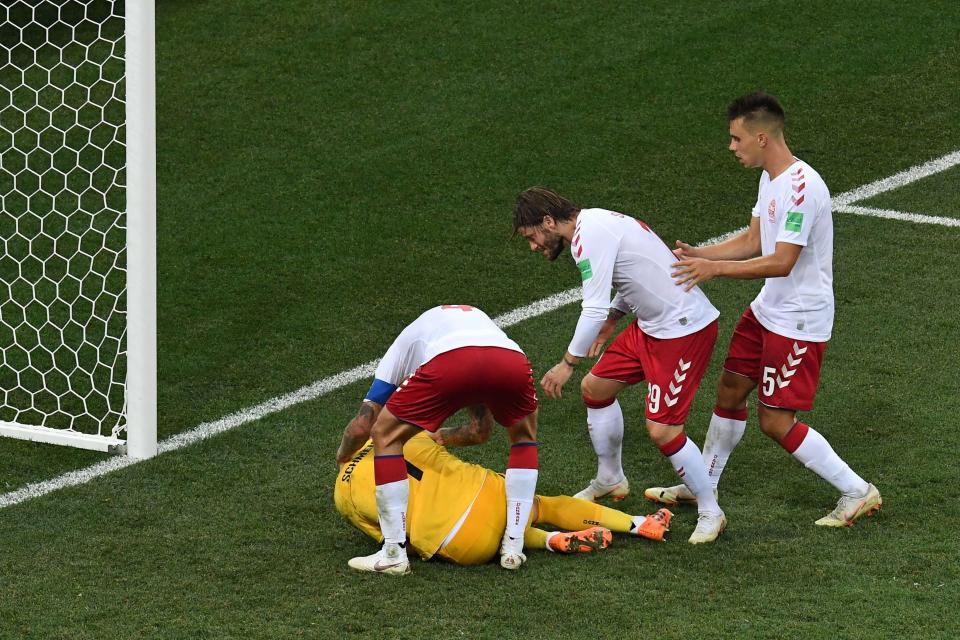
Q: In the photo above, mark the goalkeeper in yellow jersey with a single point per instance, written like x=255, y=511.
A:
x=456, y=509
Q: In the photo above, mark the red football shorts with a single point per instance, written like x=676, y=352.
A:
x=672, y=367
x=499, y=378
x=786, y=370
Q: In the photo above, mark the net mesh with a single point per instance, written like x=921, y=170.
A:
x=62, y=224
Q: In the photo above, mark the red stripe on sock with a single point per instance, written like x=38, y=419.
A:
x=388, y=469
x=791, y=442
x=598, y=404
x=731, y=414
x=523, y=456
x=674, y=445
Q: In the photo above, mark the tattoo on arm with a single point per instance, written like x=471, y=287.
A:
x=357, y=431
x=366, y=412
x=477, y=431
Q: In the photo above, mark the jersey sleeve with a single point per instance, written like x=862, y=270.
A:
x=801, y=213
x=595, y=252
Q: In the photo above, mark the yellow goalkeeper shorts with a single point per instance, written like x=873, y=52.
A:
x=478, y=540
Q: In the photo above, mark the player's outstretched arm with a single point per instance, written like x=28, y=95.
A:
x=742, y=246
x=357, y=430
x=477, y=431
x=692, y=271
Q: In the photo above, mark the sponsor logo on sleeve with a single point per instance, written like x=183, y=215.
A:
x=794, y=221
x=586, y=272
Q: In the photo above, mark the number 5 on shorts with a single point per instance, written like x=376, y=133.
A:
x=769, y=383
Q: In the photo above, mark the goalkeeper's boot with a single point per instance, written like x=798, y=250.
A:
x=672, y=496
x=511, y=553
x=653, y=527
x=585, y=541
x=709, y=527
x=596, y=491
x=849, y=509
x=391, y=559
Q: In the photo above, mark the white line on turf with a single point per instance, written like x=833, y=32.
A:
x=344, y=378
x=897, y=180
x=897, y=215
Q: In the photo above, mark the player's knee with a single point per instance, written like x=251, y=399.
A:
x=767, y=429
x=378, y=435
x=384, y=435
x=775, y=423
x=594, y=396
x=585, y=386
x=525, y=430
x=662, y=434
x=732, y=391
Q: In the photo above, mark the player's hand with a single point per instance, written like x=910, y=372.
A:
x=552, y=383
x=684, y=250
x=693, y=271
x=609, y=326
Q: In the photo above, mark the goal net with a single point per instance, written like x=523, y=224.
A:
x=77, y=224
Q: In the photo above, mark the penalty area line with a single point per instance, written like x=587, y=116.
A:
x=345, y=378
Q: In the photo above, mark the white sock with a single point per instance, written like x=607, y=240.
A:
x=723, y=435
x=392, y=499
x=546, y=543
x=688, y=463
x=521, y=489
x=817, y=455
x=606, y=434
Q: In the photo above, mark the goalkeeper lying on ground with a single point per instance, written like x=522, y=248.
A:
x=456, y=509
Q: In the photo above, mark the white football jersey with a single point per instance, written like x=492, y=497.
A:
x=614, y=251
x=437, y=331
x=795, y=207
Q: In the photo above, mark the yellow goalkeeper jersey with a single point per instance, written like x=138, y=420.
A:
x=442, y=487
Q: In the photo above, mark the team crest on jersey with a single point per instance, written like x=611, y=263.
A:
x=772, y=211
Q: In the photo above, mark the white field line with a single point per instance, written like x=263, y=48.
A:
x=897, y=180
x=344, y=378
x=897, y=215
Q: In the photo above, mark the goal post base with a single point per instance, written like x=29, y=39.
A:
x=107, y=444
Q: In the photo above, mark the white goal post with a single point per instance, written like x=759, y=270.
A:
x=78, y=359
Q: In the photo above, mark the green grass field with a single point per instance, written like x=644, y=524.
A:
x=327, y=171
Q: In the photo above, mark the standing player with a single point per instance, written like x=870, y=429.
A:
x=669, y=345
x=449, y=358
x=780, y=340
x=456, y=508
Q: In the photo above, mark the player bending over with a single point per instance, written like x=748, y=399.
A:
x=456, y=509
x=668, y=345
x=449, y=358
